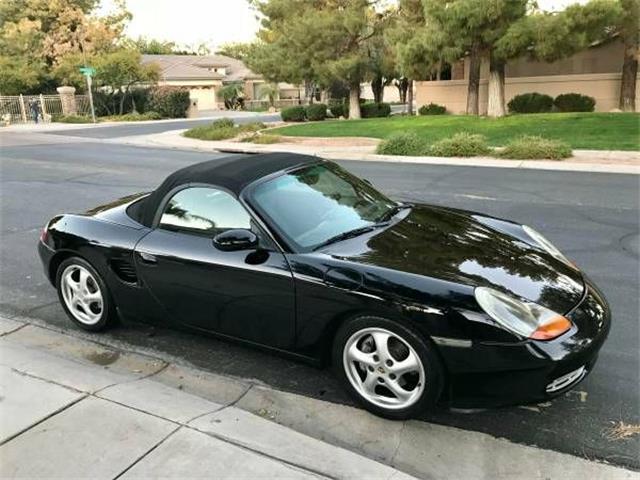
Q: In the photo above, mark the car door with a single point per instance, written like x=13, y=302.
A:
x=248, y=294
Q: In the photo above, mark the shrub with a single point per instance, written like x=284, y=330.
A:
x=71, y=118
x=170, y=102
x=534, y=147
x=461, y=144
x=108, y=103
x=432, y=109
x=371, y=110
x=403, y=144
x=338, y=110
x=211, y=133
x=530, y=103
x=252, y=127
x=222, y=123
x=574, y=102
x=293, y=114
x=266, y=139
x=133, y=117
x=316, y=111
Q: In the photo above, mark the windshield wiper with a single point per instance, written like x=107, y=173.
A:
x=389, y=214
x=349, y=234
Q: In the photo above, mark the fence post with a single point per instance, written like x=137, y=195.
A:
x=68, y=100
x=43, y=108
x=23, y=111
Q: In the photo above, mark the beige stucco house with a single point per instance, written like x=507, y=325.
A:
x=204, y=75
x=595, y=71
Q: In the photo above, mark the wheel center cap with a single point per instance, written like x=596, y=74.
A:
x=381, y=370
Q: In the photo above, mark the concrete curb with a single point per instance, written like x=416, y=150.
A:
x=132, y=407
x=629, y=161
x=241, y=412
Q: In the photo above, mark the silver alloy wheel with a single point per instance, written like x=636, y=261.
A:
x=383, y=368
x=81, y=294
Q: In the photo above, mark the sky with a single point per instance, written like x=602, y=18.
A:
x=213, y=22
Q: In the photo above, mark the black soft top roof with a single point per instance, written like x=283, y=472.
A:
x=233, y=173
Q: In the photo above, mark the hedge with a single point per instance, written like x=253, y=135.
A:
x=461, y=144
x=531, y=103
x=170, y=102
x=535, y=147
x=293, y=114
x=432, y=109
x=371, y=110
x=403, y=144
x=316, y=111
x=574, y=102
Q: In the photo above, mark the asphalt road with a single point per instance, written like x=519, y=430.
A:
x=593, y=218
x=128, y=130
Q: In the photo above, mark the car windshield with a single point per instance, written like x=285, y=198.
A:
x=316, y=204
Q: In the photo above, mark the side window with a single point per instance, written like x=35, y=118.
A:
x=203, y=209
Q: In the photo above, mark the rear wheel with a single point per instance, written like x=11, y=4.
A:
x=387, y=367
x=84, y=295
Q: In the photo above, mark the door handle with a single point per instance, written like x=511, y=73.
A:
x=148, y=257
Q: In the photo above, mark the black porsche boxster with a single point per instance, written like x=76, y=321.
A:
x=409, y=303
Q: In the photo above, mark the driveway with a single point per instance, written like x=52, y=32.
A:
x=593, y=218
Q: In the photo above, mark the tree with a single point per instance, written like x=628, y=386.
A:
x=628, y=27
x=317, y=43
x=420, y=46
x=270, y=92
x=35, y=35
x=150, y=46
x=119, y=71
x=476, y=27
x=550, y=36
x=237, y=50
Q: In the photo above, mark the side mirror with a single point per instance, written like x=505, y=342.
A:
x=237, y=239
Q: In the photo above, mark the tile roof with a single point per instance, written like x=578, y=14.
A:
x=179, y=67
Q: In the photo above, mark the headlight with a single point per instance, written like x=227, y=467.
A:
x=546, y=244
x=525, y=319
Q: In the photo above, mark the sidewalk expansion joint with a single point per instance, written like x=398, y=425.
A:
x=14, y=330
x=145, y=454
x=42, y=420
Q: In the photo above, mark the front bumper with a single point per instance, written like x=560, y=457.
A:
x=506, y=374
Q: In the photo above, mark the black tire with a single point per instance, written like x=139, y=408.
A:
x=108, y=315
x=433, y=371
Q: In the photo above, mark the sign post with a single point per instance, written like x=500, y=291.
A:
x=88, y=72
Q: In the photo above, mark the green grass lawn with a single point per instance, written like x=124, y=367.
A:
x=596, y=131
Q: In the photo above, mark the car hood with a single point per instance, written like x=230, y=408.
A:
x=469, y=249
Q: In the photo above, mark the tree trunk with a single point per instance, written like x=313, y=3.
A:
x=123, y=94
x=410, y=97
x=496, y=108
x=628, y=81
x=354, y=100
x=377, y=87
x=473, y=88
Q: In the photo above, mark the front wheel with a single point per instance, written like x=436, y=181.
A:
x=387, y=367
x=84, y=295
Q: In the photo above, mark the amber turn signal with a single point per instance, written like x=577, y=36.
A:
x=552, y=328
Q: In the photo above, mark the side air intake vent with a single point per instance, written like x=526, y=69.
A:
x=125, y=270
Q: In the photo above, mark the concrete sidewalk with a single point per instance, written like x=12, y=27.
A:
x=72, y=407
x=582, y=161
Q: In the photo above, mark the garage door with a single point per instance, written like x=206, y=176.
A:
x=206, y=98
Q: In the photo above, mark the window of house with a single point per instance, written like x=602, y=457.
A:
x=204, y=210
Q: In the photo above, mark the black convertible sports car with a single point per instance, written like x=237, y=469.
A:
x=410, y=303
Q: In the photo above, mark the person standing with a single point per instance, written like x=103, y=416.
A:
x=35, y=109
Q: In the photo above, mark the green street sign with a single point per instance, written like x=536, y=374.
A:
x=88, y=71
